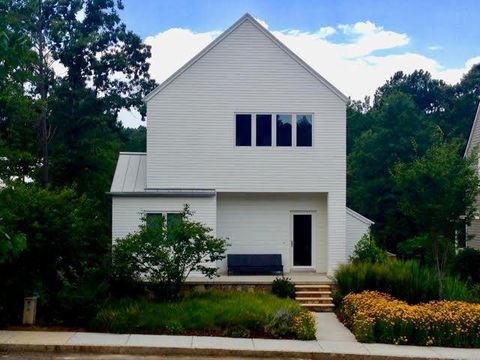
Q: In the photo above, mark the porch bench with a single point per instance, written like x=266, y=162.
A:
x=254, y=263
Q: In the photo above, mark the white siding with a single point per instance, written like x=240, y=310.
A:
x=261, y=223
x=128, y=211
x=190, y=139
x=355, y=230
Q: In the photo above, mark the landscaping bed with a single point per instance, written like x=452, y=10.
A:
x=215, y=313
x=377, y=317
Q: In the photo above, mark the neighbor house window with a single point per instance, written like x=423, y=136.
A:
x=264, y=130
x=284, y=130
x=154, y=220
x=304, y=130
x=243, y=130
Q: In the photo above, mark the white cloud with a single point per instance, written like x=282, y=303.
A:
x=350, y=60
x=262, y=22
x=434, y=47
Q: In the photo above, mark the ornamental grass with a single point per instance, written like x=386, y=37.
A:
x=377, y=317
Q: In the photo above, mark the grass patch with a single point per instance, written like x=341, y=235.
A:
x=405, y=280
x=220, y=313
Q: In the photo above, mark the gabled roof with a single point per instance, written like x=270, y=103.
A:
x=476, y=123
x=244, y=18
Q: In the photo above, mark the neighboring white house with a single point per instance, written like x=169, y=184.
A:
x=473, y=146
x=254, y=140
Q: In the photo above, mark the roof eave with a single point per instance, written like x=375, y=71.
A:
x=474, y=125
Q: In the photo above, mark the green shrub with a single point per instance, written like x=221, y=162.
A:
x=280, y=324
x=466, y=265
x=165, y=254
x=283, y=287
x=367, y=250
x=405, y=280
x=227, y=313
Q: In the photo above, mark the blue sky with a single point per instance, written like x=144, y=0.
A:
x=363, y=40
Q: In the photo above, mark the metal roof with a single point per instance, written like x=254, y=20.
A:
x=130, y=179
x=359, y=216
x=130, y=174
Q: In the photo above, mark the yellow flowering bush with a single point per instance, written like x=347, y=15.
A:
x=303, y=326
x=378, y=317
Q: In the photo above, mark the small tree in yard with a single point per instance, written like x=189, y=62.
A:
x=438, y=192
x=165, y=253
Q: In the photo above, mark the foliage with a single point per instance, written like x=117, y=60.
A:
x=62, y=234
x=377, y=317
x=165, y=254
x=416, y=248
x=395, y=129
x=366, y=249
x=406, y=280
x=279, y=325
x=304, y=326
x=466, y=264
x=438, y=192
x=283, y=287
x=233, y=313
x=11, y=245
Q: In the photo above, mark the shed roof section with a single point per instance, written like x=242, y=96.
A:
x=130, y=180
x=359, y=217
x=130, y=174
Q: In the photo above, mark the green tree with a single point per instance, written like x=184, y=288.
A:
x=398, y=132
x=438, y=192
x=166, y=253
x=64, y=237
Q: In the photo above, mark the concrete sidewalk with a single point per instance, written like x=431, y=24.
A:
x=325, y=347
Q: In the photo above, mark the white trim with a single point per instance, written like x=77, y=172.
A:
x=246, y=17
x=313, y=214
x=359, y=217
x=474, y=125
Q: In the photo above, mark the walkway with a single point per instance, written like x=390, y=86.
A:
x=333, y=339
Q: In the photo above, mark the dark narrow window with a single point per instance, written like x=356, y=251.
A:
x=154, y=220
x=172, y=220
x=243, y=130
x=264, y=130
x=284, y=130
x=304, y=130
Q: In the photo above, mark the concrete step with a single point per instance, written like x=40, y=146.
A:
x=314, y=299
x=312, y=286
x=313, y=293
x=319, y=307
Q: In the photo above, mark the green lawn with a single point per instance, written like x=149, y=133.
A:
x=220, y=313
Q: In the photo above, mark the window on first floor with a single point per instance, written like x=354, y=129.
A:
x=158, y=220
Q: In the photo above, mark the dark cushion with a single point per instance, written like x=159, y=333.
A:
x=254, y=263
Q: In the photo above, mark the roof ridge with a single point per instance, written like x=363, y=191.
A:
x=227, y=32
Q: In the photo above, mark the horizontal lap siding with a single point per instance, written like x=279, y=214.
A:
x=191, y=126
x=261, y=224
x=355, y=230
x=128, y=211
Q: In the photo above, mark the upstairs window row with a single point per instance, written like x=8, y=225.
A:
x=273, y=130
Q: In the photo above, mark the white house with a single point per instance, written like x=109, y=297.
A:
x=254, y=140
x=473, y=147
